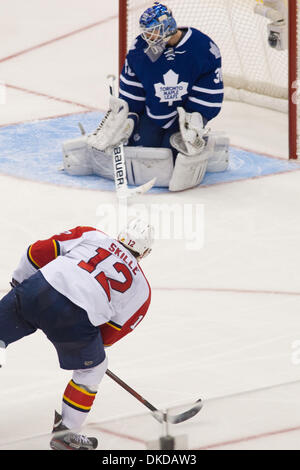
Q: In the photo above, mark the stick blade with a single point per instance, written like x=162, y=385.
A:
x=129, y=193
x=186, y=414
x=145, y=187
x=180, y=418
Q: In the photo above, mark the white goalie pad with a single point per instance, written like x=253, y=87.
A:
x=142, y=163
x=148, y=163
x=77, y=157
x=189, y=171
x=145, y=163
x=218, y=160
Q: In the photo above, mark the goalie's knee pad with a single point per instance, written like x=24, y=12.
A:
x=145, y=163
x=142, y=164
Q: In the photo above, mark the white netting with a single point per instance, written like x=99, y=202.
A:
x=253, y=71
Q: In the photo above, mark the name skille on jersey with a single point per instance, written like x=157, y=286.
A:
x=124, y=257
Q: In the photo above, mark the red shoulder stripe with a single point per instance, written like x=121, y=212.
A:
x=73, y=233
x=42, y=252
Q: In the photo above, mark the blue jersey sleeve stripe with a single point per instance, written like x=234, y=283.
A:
x=164, y=116
x=209, y=104
x=209, y=91
x=131, y=96
x=130, y=82
x=169, y=124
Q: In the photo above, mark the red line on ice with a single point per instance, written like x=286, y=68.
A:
x=229, y=290
x=117, y=434
x=213, y=289
x=55, y=98
x=59, y=38
x=249, y=438
x=66, y=35
x=45, y=118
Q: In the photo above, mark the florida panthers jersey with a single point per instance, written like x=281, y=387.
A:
x=96, y=273
x=187, y=75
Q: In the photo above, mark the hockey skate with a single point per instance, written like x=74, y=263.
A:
x=64, y=439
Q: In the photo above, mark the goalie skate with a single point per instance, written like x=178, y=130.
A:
x=64, y=439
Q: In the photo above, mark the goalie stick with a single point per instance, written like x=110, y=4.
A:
x=123, y=192
x=159, y=415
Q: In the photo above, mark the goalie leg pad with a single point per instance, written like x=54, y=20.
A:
x=190, y=170
x=142, y=164
x=145, y=163
x=77, y=157
x=219, y=159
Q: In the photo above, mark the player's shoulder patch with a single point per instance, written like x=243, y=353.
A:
x=215, y=50
x=200, y=41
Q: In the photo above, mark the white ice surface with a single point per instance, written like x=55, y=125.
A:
x=223, y=319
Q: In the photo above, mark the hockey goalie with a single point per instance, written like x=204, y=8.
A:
x=170, y=88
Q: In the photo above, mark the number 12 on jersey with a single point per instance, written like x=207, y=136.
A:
x=107, y=283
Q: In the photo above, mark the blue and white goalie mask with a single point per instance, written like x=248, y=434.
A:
x=157, y=25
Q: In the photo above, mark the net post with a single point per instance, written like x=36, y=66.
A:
x=293, y=85
x=123, y=14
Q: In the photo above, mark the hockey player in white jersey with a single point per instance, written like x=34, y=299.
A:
x=171, y=87
x=85, y=291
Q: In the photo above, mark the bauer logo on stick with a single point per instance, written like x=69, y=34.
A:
x=119, y=166
x=2, y=353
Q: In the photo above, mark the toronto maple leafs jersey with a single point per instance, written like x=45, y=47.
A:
x=96, y=273
x=187, y=75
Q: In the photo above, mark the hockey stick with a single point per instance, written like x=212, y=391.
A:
x=123, y=192
x=159, y=415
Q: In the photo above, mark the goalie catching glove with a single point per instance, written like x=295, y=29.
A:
x=115, y=128
x=189, y=140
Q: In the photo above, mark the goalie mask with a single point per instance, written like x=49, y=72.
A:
x=157, y=25
x=137, y=236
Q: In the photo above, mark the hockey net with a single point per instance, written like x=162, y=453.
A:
x=253, y=72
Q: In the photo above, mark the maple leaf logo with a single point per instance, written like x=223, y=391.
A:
x=170, y=90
